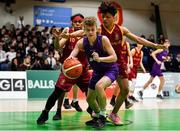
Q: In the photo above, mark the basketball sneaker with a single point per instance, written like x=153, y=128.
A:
x=76, y=106
x=57, y=116
x=100, y=123
x=115, y=119
x=91, y=122
x=42, y=118
x=128, y=104
x=159, y=96
x=140, y=93
x=66, y=104
x=133, y=99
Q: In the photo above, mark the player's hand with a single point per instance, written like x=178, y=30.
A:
x=65, y=35
x=95, y=56
x=70, y=57
x=158, y=62
x=128, y=70
x=56, y=32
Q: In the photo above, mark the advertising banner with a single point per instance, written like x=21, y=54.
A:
x=41, y=83
x=13, y=85
x=52, y=16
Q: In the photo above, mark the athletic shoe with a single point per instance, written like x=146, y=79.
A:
x=115, y=119
x=159, y=96
x=91, y=122
x=113, y=101
x=140, y=93
x=101, y=121
x=133, y=99
x=76, y=106
x=128, y=104
x=66, y=104
x=42, y=118
x=57, y=116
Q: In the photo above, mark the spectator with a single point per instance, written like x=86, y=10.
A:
x=51, y=59
x=26, y=65
x=176, y=63
x=20, y=22
x=3, y=59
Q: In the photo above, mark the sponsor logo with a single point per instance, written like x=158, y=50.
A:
x=12, y=85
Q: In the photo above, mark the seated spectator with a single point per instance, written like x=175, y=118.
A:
x=176, y=63
x=26, y=65
x=169, y=64
x=3, y=59
x=16, y=62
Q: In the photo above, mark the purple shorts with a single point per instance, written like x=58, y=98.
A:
x=111, y=73
x=156, y=71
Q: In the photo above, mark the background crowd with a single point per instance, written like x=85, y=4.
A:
x=23, y=47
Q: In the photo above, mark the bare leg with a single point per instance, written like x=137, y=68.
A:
x=123, y=84
x=161, y=85
x=148, y=82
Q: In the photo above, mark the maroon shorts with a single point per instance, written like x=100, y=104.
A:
x=66, y=84
x=132, y=74
x=123, y=71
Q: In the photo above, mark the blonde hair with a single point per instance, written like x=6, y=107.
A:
x=90, y=21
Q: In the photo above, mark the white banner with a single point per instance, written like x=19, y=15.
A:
x=171, y=80
x=13, y=85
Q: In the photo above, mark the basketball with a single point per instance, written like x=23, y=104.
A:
x=72, y=68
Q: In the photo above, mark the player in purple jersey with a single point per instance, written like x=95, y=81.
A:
x=102, y=59
x=159, y=56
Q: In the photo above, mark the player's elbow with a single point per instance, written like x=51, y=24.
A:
x=115, y=58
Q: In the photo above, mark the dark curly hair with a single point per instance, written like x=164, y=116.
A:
x=108, y=7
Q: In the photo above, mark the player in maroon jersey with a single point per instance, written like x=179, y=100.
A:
x=64, y=84
x=70, y=43
x=137, y=55
x=126, y=65
x=115, y=33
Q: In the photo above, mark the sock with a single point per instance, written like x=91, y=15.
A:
x=97, y=114
x=66, y=98
x=74, y=100
x=103, y=112
x=114, y=97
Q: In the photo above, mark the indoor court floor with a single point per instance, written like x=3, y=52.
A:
x=146, y=115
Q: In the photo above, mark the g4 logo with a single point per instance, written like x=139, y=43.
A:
x=12, y=85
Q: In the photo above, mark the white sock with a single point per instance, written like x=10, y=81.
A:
x=103, y=112
x=74, y=100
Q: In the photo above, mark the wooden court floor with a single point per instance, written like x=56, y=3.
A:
x=146, y=115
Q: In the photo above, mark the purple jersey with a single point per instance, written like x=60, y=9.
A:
x=97, y=47
x=156, y=69
x=100, y=69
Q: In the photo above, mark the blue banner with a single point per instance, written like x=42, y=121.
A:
x=52, y=16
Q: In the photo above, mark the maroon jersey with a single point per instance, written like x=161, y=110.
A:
x=136, y=58
x=136, y=63
x=69, y=46
x=115, y=36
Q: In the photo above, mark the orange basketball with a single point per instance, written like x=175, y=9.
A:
x=72, y=68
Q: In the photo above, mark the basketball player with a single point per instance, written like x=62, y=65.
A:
x=137, y=55
x=159, y=56
x=127, y=65
x=64, y=84
x=102, y=59
x=115, y=34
